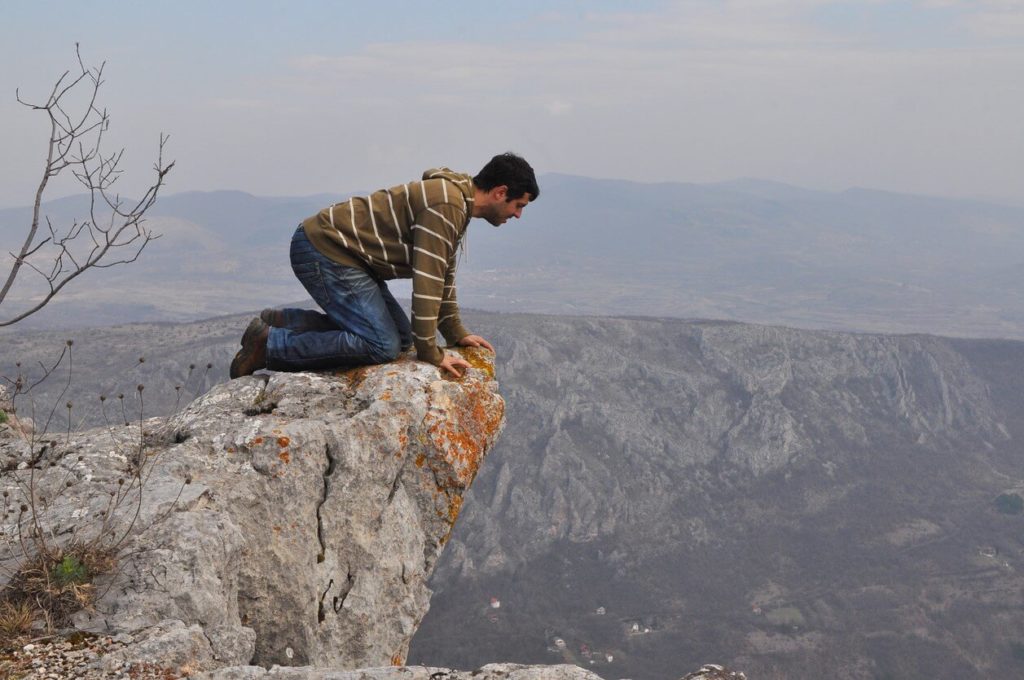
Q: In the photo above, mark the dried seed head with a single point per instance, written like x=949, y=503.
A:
x=68, y=483
x=140, y=387
x=209, y=366
x=70, y=342
x=68, y=405
x=103, y=397
x=121, y=396
x=188, y=479
x=23, y=508
x=191, y=366
x=120, y=481
x=142, y=360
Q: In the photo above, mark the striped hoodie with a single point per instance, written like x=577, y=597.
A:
x=408, y=231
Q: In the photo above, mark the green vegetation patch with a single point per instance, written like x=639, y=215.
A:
x=785, y=616
x=1009, y=504
x=70, y=571
x=3, y=416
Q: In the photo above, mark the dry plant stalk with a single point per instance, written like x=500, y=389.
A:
x=15, y=619
x=113, y=233
x=95, y=548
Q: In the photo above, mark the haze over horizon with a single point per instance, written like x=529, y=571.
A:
x=915, y=96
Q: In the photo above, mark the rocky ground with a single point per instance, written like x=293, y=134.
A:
x=81, y=657
x=77, y=656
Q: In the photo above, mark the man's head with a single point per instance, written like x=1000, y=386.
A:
x=503, y=188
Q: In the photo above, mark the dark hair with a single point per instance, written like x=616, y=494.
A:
x=511, y=170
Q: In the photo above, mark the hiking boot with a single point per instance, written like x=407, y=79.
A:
x=253, y=355
x=273, y=317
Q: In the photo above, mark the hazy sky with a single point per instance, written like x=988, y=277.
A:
x=285, y=98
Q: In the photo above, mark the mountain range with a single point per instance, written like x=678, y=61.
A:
x=748, y=250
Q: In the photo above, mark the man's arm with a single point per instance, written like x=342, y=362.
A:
x=434, y=239
x=449, y=322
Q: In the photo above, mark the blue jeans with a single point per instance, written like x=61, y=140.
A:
x=363, y=323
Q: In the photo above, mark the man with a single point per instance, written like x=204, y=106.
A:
x=344, y=254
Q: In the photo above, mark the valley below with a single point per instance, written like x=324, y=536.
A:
x=668, y=493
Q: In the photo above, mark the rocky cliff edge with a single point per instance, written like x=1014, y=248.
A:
x=289, y=519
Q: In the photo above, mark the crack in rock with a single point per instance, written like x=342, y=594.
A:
x=339, y=600
x=394, y=486
x=319, y=506
x=320, y=616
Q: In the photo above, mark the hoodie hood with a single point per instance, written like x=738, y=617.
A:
x=462, y=181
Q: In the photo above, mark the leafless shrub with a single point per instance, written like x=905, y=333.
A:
x=114, y=230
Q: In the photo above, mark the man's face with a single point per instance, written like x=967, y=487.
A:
x=503, y=208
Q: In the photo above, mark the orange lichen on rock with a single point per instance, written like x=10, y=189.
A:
x=285, y=457
x=469, y=427
x=454, y=508
x=257, y=441
x=283, y=442
x=397, y=660
x=478, y=358
x=356, y=376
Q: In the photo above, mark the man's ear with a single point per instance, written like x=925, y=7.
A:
x=500, y=192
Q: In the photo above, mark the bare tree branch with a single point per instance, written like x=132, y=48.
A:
x=113, y=233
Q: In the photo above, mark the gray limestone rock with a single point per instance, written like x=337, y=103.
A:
x=288, y=519
x=496, y=671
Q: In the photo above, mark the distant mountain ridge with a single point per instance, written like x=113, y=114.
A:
x=748, y=250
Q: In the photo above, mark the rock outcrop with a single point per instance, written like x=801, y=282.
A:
x=289, y=519
x=496, y=671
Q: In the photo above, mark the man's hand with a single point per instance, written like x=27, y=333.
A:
x=452, y=362
x=475, y=341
